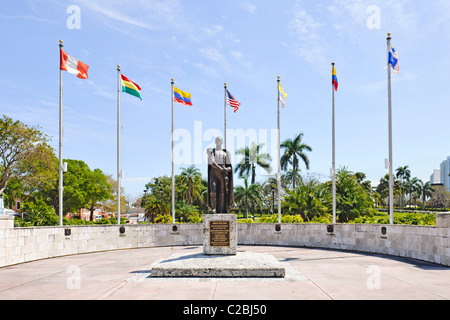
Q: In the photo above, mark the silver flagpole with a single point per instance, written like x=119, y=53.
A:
x=391, y=176
x=60, y=141
x=279, y=155
x=173, y=163
x=225, y=117
x=118, y=144
x=334, y=156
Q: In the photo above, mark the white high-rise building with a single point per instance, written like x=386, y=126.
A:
x=435, y=177
x=445, y=171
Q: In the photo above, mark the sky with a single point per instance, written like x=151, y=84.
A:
x=203, y=44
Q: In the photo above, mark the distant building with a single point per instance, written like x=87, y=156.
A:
x=445, y=171
x=435, y=177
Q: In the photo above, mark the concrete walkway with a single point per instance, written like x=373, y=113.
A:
x=311, y=274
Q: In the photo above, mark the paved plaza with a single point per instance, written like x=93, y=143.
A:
x=310, y=274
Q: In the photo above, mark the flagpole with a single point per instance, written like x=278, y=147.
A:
x=225, y=117
x=279, y=156
x=334, y=153
x=173, y=163
x=118, y=145
x=391, y=177
x=60, y=188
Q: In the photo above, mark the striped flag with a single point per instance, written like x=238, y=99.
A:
x=73, y=66
x=334, y=79
x=130, y=87
x=232, y=102
x=182, y=97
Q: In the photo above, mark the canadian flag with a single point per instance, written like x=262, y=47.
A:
x=73, y=66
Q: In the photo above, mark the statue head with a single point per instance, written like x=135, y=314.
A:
x=219, y=142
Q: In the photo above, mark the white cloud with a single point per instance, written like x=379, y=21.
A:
x=147, y=14
x=310, y=44
x=213, y=30
x=247, y=6
x=27, y=17
x=215, y=55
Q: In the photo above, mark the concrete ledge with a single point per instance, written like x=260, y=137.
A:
x=241, y=265
x=426, y=243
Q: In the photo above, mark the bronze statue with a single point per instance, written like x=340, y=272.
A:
x=220, y=179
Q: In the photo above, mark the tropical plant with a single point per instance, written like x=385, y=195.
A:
x=247, y=194
x=352, y=199
x=310, y=199
x=425, y=191
x=191, y=184
x=411, y=186
x=252, y=157
x=187, y=212
x=154, y=207
x=403, y=173
x=292, y=178
x=293, y=151
x=383, y=188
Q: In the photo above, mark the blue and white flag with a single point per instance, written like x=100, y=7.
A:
x=393, y=59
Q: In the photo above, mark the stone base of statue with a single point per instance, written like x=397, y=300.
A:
x=220, y=258
x=220, y=234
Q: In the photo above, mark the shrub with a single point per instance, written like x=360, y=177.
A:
x=39, y=214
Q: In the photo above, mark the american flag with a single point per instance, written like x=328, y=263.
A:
x=232, y=102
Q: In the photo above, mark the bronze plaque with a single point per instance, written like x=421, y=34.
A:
x=219, y=233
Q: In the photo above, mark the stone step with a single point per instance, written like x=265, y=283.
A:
x=241, y=265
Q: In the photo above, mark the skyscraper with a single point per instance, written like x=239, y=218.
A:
x=445, y=171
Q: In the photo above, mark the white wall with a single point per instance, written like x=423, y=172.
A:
x=427, y=243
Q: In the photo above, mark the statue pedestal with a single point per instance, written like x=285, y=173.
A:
x=220, y=234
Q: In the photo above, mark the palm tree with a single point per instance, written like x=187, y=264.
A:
x=425, y=190
x=403, y=173
x=246, y=195
x=154, y=207
x=310, y=199
x=252, y=158
x=186, y=211
x=411, y=187
x=191, y=184
x=292, y=178
x=293, y=150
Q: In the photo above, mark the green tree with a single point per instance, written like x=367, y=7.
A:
x=403, y=173
x=110, y=204
x=187, y=212
x=158, y=199
x=383, y=188
x=310, y=199
x=38, y=213
x=252, y=158
x=83, y=188
x=191, y=184
x=425, y=190
x=246, y=195
x=293, y=151
x=411, y=186
x=352, y=199
x=24, y=154
x=98, y=190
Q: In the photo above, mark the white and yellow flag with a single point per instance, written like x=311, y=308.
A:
x=281, y=94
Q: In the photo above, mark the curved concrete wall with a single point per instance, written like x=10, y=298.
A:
x=427, y=243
